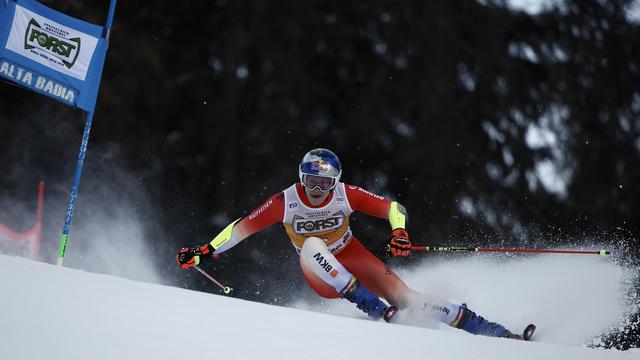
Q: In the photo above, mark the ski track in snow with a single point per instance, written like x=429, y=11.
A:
x=49, y=312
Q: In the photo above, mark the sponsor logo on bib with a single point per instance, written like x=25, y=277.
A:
x=308, y=226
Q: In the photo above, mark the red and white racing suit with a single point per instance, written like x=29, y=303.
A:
x=328, y=221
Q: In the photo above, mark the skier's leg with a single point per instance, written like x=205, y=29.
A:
x=329, y=278
x=385, y=283
x=324, y=273
x=376, y=276
x=469, y=321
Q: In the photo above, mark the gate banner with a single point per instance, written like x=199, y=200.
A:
x=51, y=53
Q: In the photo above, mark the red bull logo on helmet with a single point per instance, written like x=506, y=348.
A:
x=321, y=166
x=320, y=162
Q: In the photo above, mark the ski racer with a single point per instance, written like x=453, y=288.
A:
x=315, y=213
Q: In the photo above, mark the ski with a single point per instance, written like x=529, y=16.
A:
x=527, y=334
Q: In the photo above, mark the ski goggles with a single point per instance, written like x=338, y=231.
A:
x=324, y=183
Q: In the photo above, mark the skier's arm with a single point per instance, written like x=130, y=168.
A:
x=399, y=243
x=397, y=216
x=267, y=214
x=376, y=205
x=264, y=216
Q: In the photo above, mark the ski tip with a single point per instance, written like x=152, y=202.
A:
x=390, y=313
x=527, y=334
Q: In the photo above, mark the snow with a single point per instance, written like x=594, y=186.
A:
x=632, y=12
x=531, y=7
x=51, y=312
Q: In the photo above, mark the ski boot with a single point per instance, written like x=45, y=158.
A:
x=366, y=301
x=468, y=320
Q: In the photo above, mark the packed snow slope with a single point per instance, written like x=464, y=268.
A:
x=50, y=312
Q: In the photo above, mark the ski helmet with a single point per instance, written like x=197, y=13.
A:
x=320, y=168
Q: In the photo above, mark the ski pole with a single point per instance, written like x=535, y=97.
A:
x=480, y=249
x=226, y=289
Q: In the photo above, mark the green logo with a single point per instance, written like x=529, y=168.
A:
x=37, y=37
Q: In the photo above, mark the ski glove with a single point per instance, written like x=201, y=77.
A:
x=399, y=243
x=188, y=257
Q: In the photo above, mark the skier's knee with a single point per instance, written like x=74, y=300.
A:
x=316, y=259
x=313, y=245
x=316, y=255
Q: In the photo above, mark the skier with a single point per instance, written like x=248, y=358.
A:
x=315, y=213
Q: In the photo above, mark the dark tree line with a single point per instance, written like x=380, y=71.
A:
x=491, y=125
